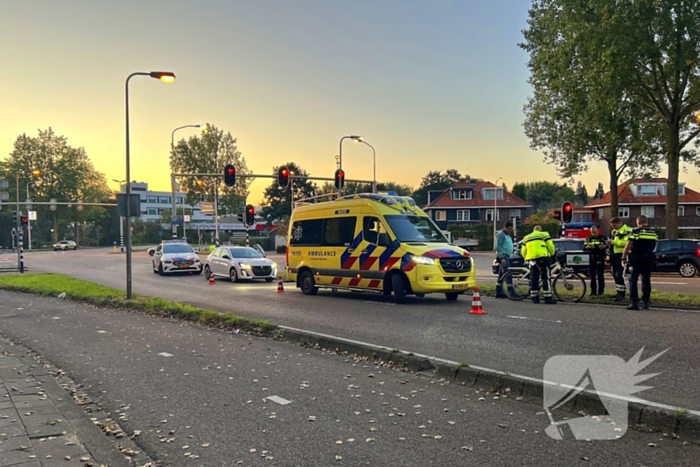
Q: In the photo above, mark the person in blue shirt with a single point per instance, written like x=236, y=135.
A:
x=504, y=250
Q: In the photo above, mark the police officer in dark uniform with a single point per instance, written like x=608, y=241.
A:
x=595, y=245
x=639, y=254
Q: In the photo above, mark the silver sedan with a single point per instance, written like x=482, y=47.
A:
x=239, y=262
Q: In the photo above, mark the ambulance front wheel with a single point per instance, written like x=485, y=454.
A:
x=307, y=283
x=399, y=289
x=451, y=296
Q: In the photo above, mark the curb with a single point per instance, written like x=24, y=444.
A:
x=91, y=424
x=643, y=415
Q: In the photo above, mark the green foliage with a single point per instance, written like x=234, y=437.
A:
x=581, y=194
x=482, y=233
x=278, y=202
x=209, y=153
x=544, y=195
x=89, y=292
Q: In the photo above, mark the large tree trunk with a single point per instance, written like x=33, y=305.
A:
x=612, y=171
x=672, y=159
x=55, y=228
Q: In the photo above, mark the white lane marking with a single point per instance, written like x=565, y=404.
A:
x=55, y=317
x=669, y=283
x=165, y=354
x=533, y=319
x=102, y=332
x=502, y=373
x=279, y=400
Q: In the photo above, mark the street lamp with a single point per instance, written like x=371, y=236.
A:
x=166, y=77
x=360, y=139
x=29, y=222
x=340, y=153
x=173, y=212
x=495, y=210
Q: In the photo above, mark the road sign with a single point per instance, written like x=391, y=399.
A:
x=187, y=217
x=4, y=184
x=52, y=206
x=32, y=215
x=206, y=207
x=175, y=222
x=4, y=196
x=160, y=233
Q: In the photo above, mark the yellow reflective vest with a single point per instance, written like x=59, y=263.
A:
x=619, y=238
x=537, y=245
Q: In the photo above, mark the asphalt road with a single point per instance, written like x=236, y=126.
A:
x=201, y=397
x=513, y=337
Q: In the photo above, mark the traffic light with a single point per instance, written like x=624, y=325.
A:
x=14, y=217
x=24, y=220
x=339, y=179
x=283, y=177
x=567, y=212
x=240, y=218
x=229, y=175
x=250, y=215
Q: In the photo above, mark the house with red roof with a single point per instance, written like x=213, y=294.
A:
x=648, y=197
x=474, y=202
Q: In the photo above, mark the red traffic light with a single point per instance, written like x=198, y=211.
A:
x=283, y=177
x=250, y=214
x=567, y=212
x=230, y=175
x=339, y=179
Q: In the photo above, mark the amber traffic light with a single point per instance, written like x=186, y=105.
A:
x=200, y=183
x=230, y=175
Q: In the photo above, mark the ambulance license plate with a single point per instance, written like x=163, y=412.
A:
x=460, y=287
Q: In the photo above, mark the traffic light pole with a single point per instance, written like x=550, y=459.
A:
x=18, y=222
x=247, y=234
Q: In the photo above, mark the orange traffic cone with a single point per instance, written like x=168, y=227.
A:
x=280, y=287
x=476, y=303
x=212, y=281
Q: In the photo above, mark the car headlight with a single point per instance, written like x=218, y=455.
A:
x=244, y=265
x=423, y=260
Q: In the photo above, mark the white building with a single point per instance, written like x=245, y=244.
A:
x=153, y=203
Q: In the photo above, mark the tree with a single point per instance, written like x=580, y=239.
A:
x=581, y=109
x=651, y=50
x=210, y=153
x=67, y=175
x=436, y=180
x=278, y=201
x=582, y=193
x=543, y=195
x=600, y=191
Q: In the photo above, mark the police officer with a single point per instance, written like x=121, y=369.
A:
x=537, y=249
x=639, y=254
x=504, y=250
x=595, y=245
x=618, y=241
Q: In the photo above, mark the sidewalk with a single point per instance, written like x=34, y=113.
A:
x=41, y=424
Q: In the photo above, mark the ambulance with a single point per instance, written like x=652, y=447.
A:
x=375, y=243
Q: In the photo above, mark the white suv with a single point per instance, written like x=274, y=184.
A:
x=175, y=256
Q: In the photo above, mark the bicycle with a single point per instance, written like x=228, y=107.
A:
x=567, y=285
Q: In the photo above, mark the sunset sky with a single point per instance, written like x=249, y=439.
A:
x=432, y=84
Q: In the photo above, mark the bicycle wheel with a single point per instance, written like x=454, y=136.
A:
x=516, y=284
x=569, y=287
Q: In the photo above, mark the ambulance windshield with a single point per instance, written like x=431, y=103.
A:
x=415, y=229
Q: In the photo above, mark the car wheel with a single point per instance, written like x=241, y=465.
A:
x=233, y=275
x=153, y=266
x=452, y=296
x=269, y=279
x=687, y=269
x=160, y=270
x=399, y=289
x=307, y=283
x=207, y=272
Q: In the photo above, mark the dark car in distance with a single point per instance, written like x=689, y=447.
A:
x=678, y=255
x=570, y=253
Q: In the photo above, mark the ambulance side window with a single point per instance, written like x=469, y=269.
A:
x=374, y=232
x=339, y=231
x=307, y=233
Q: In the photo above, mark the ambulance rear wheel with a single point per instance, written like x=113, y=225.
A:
x=307, y=283
x=399, y=289
x=420, y=295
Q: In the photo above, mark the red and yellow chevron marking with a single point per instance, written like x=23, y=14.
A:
x=357, y=282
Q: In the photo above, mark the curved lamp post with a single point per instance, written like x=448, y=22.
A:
x=166, y=77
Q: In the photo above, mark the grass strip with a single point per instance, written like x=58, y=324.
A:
x=52, y=285
x=657, y=298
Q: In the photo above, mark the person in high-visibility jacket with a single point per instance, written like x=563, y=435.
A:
x=537, y=250
x=617, y=241
x=595, y=246
x=640, y=253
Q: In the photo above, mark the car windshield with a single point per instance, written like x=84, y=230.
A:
x=415, y=229
x=569, y=245
x=245, y=253
x=177, y=248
